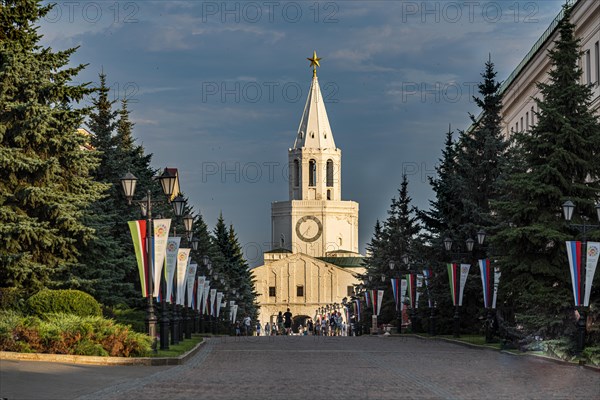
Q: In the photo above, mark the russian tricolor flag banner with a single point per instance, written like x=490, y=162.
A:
x=574, y=254
x=484, y=267
x=411, y=289
x=396, y=292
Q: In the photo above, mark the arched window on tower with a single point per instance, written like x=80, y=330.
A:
x=296, y=173
x=312, y=173
x=329, y=173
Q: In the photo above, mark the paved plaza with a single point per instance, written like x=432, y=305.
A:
x=304, y=367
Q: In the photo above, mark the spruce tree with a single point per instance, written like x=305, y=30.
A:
x=558, y=160
x=45, y=169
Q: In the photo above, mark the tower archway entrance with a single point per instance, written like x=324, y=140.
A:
x=297, y=321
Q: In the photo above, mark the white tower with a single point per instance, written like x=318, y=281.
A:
x=315, y=220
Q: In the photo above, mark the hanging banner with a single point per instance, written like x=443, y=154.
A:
x=138, y=235
x=485, y=269
x=403, y=288
x=235, y=308
x=219, y=305
x=496, y=284
x=453, y=274
x=411, y=289
x=200, y=294
x=373, y=298
x=171, y=265
x=464, y=273
x=574, y=254
x=161, y=236
x=205, y=297
x=183, y=258
x=593, y=252
x=379, y=301
x=428, y=274
x=367, y=300
x=213, y=297
x=396, y=292
x=357, y=310
x=419, y=288
x=191, y=279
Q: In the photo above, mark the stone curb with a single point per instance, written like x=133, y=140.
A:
x=483, y=347
x=96, y=360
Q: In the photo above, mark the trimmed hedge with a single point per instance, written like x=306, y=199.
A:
x=70, y=334
x=12, y=298
x=63, y=301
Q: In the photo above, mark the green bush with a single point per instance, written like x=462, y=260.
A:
x=70, y=334
x=63, y=301
x=128, y=316
x=12, y=298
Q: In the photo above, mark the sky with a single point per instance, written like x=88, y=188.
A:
x=217, y=89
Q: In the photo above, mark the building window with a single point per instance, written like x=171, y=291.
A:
x=272, y=291
x=588, y=67
x=299, y=291
x=598, y=63
x=350, y=291
x=312, y=173
x=532, y=116
x=527, y=120
x=328, y=194
x=329, y=173
x=522, y=126
x=296, y=173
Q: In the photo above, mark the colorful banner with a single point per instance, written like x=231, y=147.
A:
x=200, y=294
x=419, y=289
x=486, y=281
x=453, y=274
x=411, y=289
x=191, y=280
x=171, y=265
x=464, y=273
x=161, y=236
x=403, y=288
x=428, y=274
x=396, y=292
x=593, y=252
x=183, y=258
x=205, y=297
x=574, y=254
x=213, y=296
x=379, y=300
x=496, y=284
x=219, y=300
x=138, y=235
x=367, y=300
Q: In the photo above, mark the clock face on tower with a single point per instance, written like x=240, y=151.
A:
x=309, y=228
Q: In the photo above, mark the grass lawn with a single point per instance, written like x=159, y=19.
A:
x=181, y=348
x=473, y=339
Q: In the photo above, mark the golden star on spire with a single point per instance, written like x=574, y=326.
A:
x=314, y=62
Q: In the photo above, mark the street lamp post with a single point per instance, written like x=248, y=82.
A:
x=129, y=183
x=568, y=209
x=178, y=204
x=457, y=255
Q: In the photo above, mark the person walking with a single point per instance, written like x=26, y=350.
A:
x=280, y=323
x=247, y=329
x=258, y=328
x=267, y=329
x=287, y=322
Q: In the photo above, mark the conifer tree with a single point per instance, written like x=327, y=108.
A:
x=559, y=160
x=45, y=170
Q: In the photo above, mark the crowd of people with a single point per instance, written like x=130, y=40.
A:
x=324, y=325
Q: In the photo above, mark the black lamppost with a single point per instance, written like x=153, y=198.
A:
x=568, y=209
x=178, y=204
x=392, y=266
x=457, y=255
x=128, y=183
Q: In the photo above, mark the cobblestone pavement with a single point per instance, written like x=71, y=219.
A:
x=295, y=367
